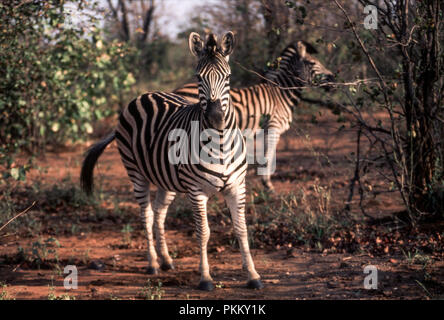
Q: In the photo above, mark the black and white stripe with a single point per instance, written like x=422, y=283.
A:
x=143, y=139
x=297, y=68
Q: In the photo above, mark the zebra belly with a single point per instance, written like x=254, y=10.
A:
x=184, y=178
x=216, y=179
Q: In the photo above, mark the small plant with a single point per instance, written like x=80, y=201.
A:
x=58, y=270
x=75, y=229
x=174, y=253
x=85, y=258
x=68, y=194
x=43, y=251
x=297, y=218
x=117, y=210
x=261, y=196
x=416, y=257
x=126, y=231
x=52, y=295
x=323, y=195
x=150, y=292
x=4, y=295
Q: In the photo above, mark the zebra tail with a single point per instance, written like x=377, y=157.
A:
x=92, y=155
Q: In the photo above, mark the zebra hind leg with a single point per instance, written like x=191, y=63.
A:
x=271, y=140
x=142, y=194
x=199, y=204
x=161, y=204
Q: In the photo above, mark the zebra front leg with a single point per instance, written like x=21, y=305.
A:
x=235, y=198
x=199, y=203
x=271, y=140
x=147, y=216
x=161, y=204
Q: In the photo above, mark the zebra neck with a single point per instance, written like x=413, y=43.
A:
x=284, y=79
x=229, y=118
x=230, y=115
x=287, y=97
x=219, y=145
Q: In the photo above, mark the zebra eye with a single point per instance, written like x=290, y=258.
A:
x=199, y=78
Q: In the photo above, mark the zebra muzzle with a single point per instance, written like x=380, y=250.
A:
x=215, y=115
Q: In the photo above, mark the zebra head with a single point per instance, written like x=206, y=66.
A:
x=300, y=68
x=213, y=75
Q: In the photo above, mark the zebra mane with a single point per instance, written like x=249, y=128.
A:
x=292, y=47
x=290, y=52
x=211, y=44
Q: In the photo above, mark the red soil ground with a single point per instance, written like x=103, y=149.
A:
x=308, y=154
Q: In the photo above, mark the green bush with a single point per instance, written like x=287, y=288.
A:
x=58, y=77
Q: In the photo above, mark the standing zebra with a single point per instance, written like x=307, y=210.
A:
x=143, y=139
x=269, y=101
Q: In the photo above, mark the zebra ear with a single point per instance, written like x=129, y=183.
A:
x=301, y=48
x=195, y=43
x=310, y=49
x=304, y=48
x=227, y=44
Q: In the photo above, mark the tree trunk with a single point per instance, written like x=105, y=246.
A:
x=147, y=21
x=423, y=144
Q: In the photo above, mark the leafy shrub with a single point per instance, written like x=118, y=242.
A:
x=57, y=77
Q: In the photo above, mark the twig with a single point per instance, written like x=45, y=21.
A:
x=17, y=266
x=18, y=215
x=356, y=176
x=325, y=84
x=23, y=3
x=364, y=49
x=335, y=107
x=7, y=235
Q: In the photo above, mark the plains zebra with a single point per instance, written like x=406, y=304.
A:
x=144, y=138
x=269, y=100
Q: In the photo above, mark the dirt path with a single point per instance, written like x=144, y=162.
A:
x=111, y=266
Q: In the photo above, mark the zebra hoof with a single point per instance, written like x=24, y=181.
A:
x=206, y=286
x=268, y=187
x=167, y=266
x=152, y=270
x=255, y=284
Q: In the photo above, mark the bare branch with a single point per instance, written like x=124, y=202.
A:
x=18, y=215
